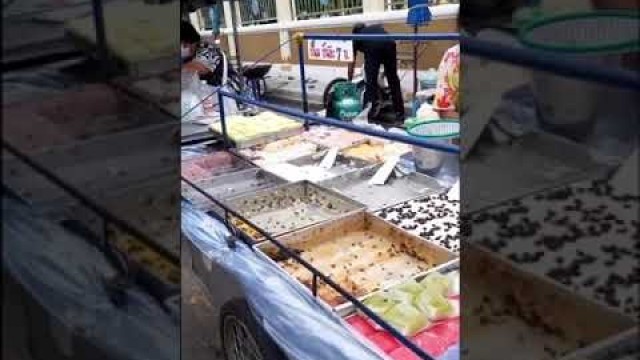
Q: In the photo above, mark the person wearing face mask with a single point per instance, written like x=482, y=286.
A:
x=189, y=46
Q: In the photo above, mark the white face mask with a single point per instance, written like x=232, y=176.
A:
x=185, y=52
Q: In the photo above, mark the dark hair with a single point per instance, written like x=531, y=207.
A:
x=188, y=33
x=358, y=27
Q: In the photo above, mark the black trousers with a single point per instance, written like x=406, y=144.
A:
x=373, y=60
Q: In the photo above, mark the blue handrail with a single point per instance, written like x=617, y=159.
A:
x=384, y=37
x=407, y=139
x=550, y=62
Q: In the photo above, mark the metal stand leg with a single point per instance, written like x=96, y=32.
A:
x=223, y=122
x=101, y=38
x=305, y=104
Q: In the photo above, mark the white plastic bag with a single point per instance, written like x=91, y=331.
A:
x=363, y=117
x=189, y=96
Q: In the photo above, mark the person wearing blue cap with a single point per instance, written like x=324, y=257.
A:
x=377, y=54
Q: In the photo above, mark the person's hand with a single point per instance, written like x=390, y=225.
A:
x=197, y=67
x=350, y=69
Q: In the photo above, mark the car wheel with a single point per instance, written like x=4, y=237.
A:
x=242, y=336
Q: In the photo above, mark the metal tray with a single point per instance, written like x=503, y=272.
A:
x=624, y=346
x=394, y=191
x=537, y=317
x=453, y=265
x=260, y=139
x=307, y=168
x=230, y=184
x=97, y=166
x=268, y=138
x=533, y=163
x=353, y=271
x=342, y=165
x=290, y=207
x=551, y=321
x=147, y=206
x=210, y=165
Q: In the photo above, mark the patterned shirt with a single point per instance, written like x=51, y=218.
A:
x=447, y=94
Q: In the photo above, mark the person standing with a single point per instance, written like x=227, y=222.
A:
x=377, y=54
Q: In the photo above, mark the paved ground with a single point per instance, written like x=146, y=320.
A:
x=197, y=319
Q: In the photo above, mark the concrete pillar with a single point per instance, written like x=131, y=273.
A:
x=284, y=13
x=226, y=6
x=369, y=6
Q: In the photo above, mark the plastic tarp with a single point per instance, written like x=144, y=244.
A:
x=24, y=87
x=65, y=275
x=295, y=321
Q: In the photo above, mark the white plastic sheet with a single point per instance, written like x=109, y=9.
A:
x=300, y=326
x=64, y=274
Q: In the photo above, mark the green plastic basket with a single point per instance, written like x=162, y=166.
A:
x=444, y=129
x=427, y=160
x=593, y=32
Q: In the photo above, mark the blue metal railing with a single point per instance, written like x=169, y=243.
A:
x=551, y=62
x=535, y=59
x=524, y=57
x=384, y=37
x=407, y=139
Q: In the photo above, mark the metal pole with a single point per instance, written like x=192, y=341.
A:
x=101, y=38
x=415, y=66
x=236, y=41
x=303, y=80
x=223, y=122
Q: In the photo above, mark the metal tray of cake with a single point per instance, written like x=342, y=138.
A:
x=97, y=165
x=150, y=207
x=539, y=319
x=228, y=185
x=290, y=207
x=381, y=254
x=623, y=346
x=396, y=190
x=258, y=139
x=209, y=165
x=511, y=311
x=450, y=266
